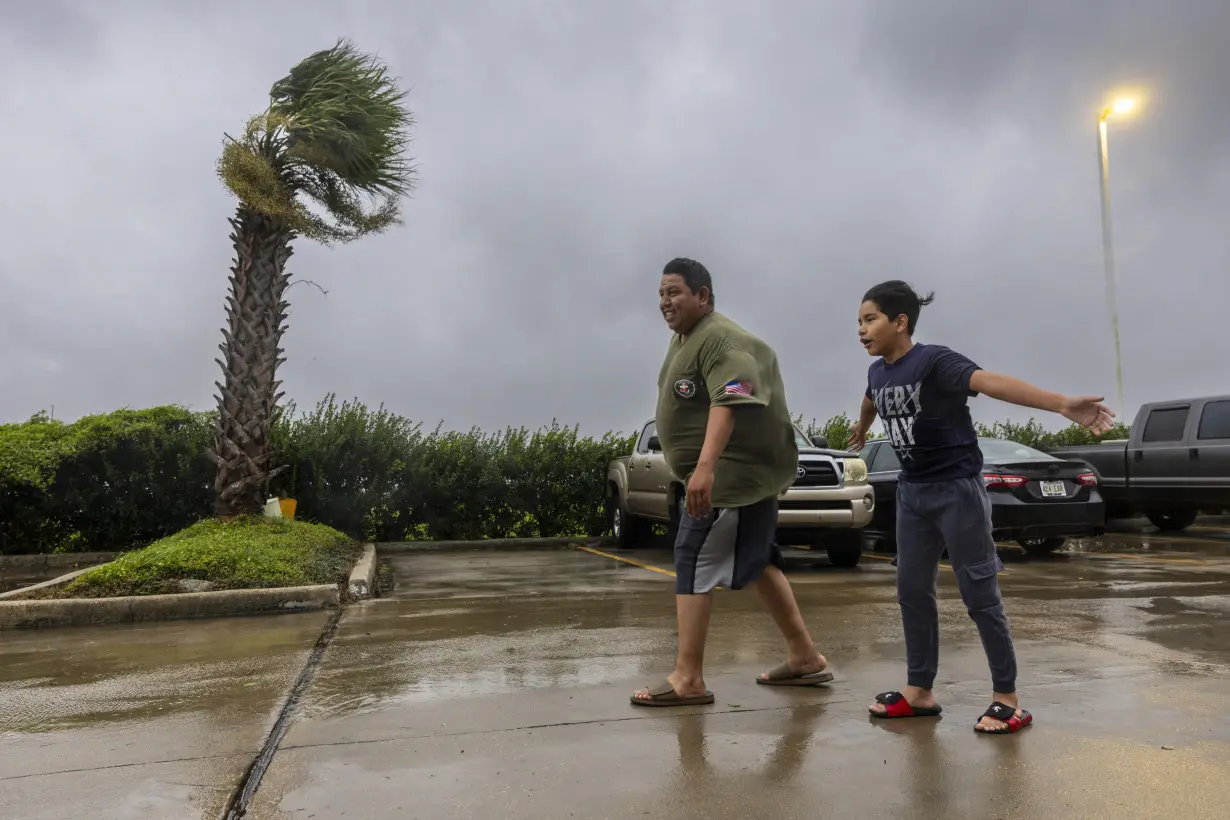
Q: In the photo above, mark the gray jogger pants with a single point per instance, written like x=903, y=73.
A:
x=955, y=514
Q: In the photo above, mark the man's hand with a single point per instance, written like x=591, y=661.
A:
x=700, y=485
x=1088, y=412
x=858, y=437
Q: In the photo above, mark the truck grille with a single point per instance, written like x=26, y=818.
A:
x=800, y=504
x=818, y=474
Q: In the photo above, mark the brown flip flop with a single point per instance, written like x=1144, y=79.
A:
x=665, y=695
x=783, y=676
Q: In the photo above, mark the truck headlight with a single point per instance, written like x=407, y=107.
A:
x=856, y=471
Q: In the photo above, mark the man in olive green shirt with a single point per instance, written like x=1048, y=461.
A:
x=726, y=430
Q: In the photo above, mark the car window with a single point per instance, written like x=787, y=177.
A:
x=994, y=449
x=651, y=430
x=1166, y=424
x=867, y=453
x=886, y=460
x=801, y=440
x=1215, y=421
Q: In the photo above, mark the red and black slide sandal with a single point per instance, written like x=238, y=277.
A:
x=1007, y=714
x=896, y=706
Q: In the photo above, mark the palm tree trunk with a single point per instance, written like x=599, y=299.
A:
x=248, y=395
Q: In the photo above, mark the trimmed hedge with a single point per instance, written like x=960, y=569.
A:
x=126, y=479
x=123, y=480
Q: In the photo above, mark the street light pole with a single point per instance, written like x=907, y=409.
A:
x=1108, y=254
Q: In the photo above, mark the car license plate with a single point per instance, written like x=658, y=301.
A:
x=1054, y=489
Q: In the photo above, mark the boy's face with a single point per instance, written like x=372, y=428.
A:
x=877, y=333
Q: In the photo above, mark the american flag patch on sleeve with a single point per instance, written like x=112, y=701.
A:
x=738, y=388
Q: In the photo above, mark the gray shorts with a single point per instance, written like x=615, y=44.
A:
x=729, y=547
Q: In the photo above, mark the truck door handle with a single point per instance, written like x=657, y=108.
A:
x=1193, y=453
x=1140, y=455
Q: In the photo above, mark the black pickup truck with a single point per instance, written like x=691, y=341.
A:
x=1175, y=465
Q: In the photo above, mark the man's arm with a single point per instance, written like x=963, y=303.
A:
x=717, y=436
x=1087, y=411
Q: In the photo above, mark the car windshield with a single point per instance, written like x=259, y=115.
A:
x=994, y=449
x=800, y=439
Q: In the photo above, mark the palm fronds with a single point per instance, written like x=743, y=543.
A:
x=335, y=134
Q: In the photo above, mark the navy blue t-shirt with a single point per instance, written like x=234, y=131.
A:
x=922, y=399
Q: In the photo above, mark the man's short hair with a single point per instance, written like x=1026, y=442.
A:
x=695, y=275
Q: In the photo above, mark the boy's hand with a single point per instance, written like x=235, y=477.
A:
x=1088, y=412
x=858, y=437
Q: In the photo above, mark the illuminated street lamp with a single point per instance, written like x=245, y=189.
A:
x=1120, y=107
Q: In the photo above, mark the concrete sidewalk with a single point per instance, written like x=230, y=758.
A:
x=154, y=720
x=497, y=688
x=495, y=685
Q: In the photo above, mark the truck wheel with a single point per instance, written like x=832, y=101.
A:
x=1041, y=546
x=1173, y=520
x=629, y=531
x=845, y=547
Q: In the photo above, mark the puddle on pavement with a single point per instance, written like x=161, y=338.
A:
x=72, y=677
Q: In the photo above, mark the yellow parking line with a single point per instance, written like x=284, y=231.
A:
x=593, y=551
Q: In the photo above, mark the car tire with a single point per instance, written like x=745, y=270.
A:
x=1172, y=520
x=629, y=531
x=844, y=548
x=1041, y=546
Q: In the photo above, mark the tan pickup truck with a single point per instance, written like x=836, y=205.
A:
x=827, y=507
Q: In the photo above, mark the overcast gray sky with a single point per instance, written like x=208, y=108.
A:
x=802, y=150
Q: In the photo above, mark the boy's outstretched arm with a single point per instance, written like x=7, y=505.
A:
x=1087, y=411
x=858, y=433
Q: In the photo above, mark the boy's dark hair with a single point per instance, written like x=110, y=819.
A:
x=895, y=298
x=695, y=275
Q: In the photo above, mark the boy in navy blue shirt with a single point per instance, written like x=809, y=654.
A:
x=920, y=392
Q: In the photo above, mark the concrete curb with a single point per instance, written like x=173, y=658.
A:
x=53, y=582
x=363, y=576
x=491, y=545
x=83, y=611
x=54, y=560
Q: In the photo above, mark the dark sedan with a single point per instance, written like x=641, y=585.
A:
x=1037, y=500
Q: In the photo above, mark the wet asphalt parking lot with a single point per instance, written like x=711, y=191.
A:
x=495, y=685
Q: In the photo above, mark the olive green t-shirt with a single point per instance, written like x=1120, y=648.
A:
x=721, y=364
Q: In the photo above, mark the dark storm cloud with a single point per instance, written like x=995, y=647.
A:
x=566, y=150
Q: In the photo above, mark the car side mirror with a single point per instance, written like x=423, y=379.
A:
x=820, y=441
x=654, y=444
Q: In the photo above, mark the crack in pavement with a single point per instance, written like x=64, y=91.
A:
x=245, y=790
x=562, y=724
x=116, y=766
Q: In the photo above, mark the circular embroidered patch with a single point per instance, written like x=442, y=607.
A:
x=685, y=388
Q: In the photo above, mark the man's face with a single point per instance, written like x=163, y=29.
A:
x=681, y=308
x=877, y=333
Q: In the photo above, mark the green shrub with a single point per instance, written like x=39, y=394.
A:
x=377, y=476
x=116, y=480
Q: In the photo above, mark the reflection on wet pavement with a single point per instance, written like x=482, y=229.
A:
x=140, y=720
x=495, y=685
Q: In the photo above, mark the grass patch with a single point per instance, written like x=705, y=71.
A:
x=247, y=553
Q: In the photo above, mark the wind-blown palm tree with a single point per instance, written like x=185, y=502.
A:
x=334, y=134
